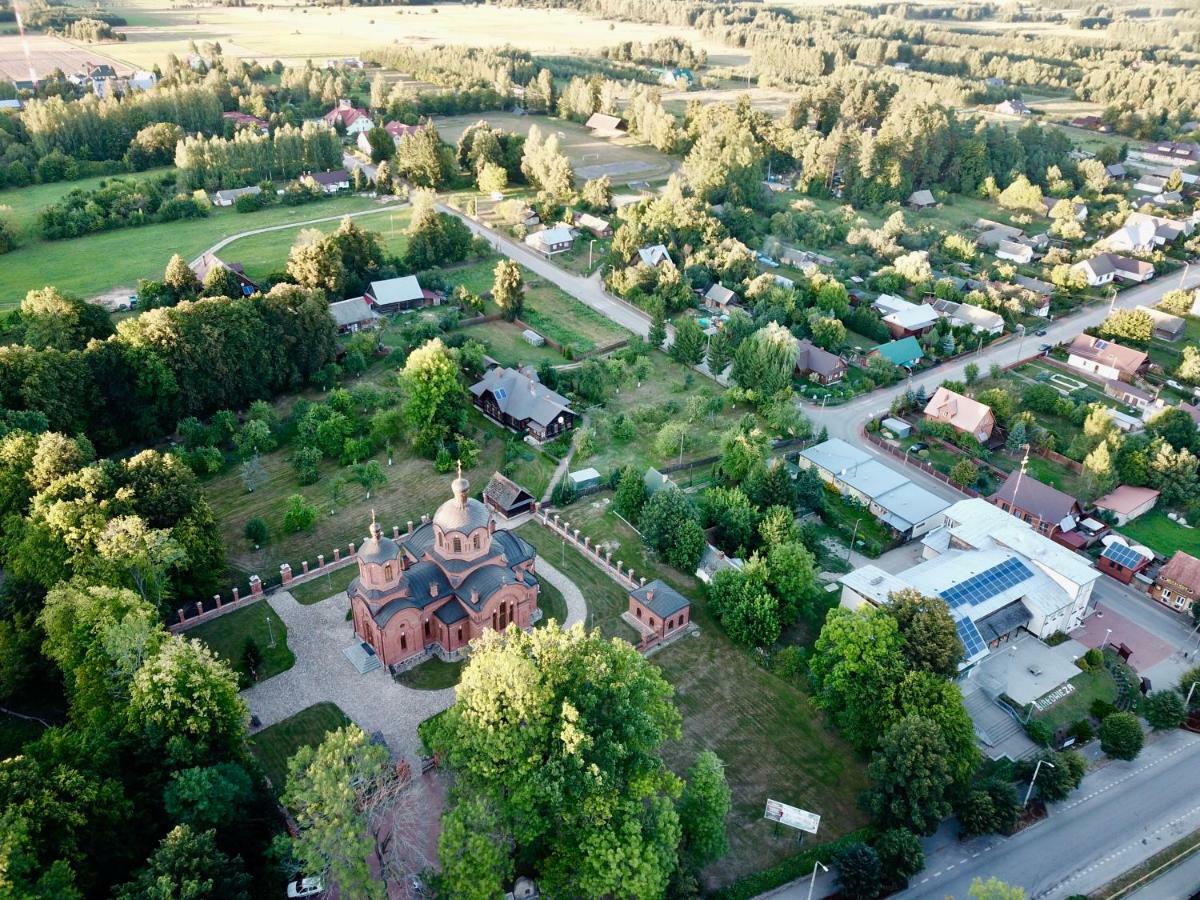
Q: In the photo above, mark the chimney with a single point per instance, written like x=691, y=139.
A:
x=649, y=595
x=433, y=590
x=474, y=597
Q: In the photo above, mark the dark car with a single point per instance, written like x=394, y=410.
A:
x=1046, y=348
x=1041, y=332
x=919, y=446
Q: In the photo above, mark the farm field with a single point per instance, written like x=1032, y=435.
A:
x=765, y=729
x=295, y=34
x=48, y=53
x=114, y=260
x=622, y=159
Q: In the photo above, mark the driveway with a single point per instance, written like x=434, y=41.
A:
x=317, y=634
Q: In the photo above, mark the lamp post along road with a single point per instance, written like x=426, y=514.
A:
x=1187, y=704
x=813, y=882
x=1033, y=780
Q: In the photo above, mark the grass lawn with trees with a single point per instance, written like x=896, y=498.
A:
x=1162, y=535
x=432, y=675
x=275, y=745
x=117, y=259
x=229, y=634
x=324, y=587
x=1090, y=686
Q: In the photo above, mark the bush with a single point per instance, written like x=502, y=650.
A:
x=1039, y=732
x=1164, y=709
x=900, y=854
x=257, y=532
x=1101, y=709
x=300, y=515
x=1095, y=659
x=1121, y=736
x=790, y=662
x=860, y=873
x=1082, y=731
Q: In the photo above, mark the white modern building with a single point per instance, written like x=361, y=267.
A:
x=997, y=575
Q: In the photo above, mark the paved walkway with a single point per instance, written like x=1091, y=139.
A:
x=576, y=605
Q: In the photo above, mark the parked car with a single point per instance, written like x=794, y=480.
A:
x=918, y=446
x=1046, y=348
x=305, y=887
x=1041, y=332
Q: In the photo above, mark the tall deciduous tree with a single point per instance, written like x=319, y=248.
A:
x=548, y=728
x=435, y=399
x=705, y=803
x=508, y=289
x=54, y=319
x=930, y=638
x=670, y=526
x=911, y=776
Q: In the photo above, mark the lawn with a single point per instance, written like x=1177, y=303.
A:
x=110, y=260
x=324, y=587
x=606, y=599
x=432, y=675
x=505, y=345
x=585, y=248
x=412, y=489
x=262, y=254
x=275, y=745
x=1162, y=535
x=551, y=603
x=1096, y=684
x=228, y=636
x=555, y=314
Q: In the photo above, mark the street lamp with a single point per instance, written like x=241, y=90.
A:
x=590, y=244
x=1037, y=768
x=1187, y=704
x=1106, y=634
x=812, y=883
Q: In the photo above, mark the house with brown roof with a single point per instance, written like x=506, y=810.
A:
x=209, y=261
x=1049, y=510
x=354, y=121
x=720, y=298
x=1178, y=582
x=963, y=414
x=820, y=365
x=1127, y=502
x=507, y=498
x=1105, y=359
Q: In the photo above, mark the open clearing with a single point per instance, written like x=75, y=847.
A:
x=294, y=34
x=275, y=745
x=97, y=263
x=48, y=53
x=622, y=159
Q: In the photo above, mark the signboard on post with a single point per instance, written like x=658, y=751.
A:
x=792, y=816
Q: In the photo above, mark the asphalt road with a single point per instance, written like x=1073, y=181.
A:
x=1181, y=882
x=1120, y=816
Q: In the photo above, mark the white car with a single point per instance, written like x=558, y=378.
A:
x=305, y=887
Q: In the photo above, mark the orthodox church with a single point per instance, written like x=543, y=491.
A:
x=440, y=586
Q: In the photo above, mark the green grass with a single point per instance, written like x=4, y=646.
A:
x=505, y=344
x=606, y=599
x=98, y=263
x=1095, y=684
x=227, y=635
x=432, y=675
x=551, y=603
x=1162, y=535
x=324, y=587
x=532, y=470
x=275, y=745
x=25, y=203
x=555, y=314
x=262, y=254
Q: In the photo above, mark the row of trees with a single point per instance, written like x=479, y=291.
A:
x=216, y=162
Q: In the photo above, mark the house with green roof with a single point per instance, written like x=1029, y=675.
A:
x=904, y=352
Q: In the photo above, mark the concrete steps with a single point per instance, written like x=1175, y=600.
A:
x=999, y=732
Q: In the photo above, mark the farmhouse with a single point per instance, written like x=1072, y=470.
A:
x=1022, y=254
x=353, y=315
x=548, y=241
x=507, y=498
x=1091, y=123
x=1127, y=502
x=520, y=402
x=653, y=256
x=353, y=121
x=963, y=414
x=818, y=365
x=603, y=125
x=980, y=320
x=1128, y=394
x=396, y=294
x=904, y=352
x=398, y=130
x=329, y=182
x=1013, y=107
x=996, y=574
x=1105, y=359
x=242, y=120
x=209, y=261
x=720, y=298
x=1178, y=582
x=1142, y=232
x=1048, y=510
x=1104, y=267
x=913, y=319
x=659, y=609
x=443, y=585
x=597, y=227
x=230, y=197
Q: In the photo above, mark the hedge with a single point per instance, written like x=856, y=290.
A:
x=797, y=866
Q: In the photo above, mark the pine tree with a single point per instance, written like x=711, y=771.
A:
x=658, y=331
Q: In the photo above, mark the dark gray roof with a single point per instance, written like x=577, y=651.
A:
x=1003, y=621
x=421, y=540
x=522, y=397
x=665, y=601
x=514, y=547
x=451, y=612
x=1047, y=503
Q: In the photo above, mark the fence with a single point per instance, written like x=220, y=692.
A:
x=617, y=571
x=919, y=464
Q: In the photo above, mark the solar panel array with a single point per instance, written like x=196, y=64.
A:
x=1122, y=555
x=971, y=638
x=987, y=584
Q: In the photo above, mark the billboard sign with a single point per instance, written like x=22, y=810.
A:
x=792, y=816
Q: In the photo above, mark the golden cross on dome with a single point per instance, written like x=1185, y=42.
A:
x=372, y=516
x=460, y=468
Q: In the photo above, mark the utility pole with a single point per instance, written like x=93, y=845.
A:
x=1037, y=768
x=853, y=538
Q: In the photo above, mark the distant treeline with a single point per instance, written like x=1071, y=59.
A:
x=215, y=162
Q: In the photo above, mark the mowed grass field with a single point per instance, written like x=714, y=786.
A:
x=772, y=740
x=25, y=203
x=112, y=260
x=622, y=159
x=47, y=53
x=275, y=745
x=296, y=33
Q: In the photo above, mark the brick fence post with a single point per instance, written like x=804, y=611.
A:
x=304, y=567
x=217, y=600
x=352, y=548
x=181, y=616
x=320, y=560
x=337, y=554
x=256, y=586
x=236, y=597
x=285, y=573
x=395, y=532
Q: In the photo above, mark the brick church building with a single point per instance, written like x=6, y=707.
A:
x=439, y=587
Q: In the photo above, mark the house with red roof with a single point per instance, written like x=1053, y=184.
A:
x=352, y=120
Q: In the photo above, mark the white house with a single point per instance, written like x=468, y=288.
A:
x=1013, y=107
x=1102, y=358
x=1021, y=254
x=354, y=121
x=653, y=256
x=549, y=241
x=229, y=197
x=980, y=320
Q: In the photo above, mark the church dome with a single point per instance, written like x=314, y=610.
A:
x=376, y=548
x=461, y=513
